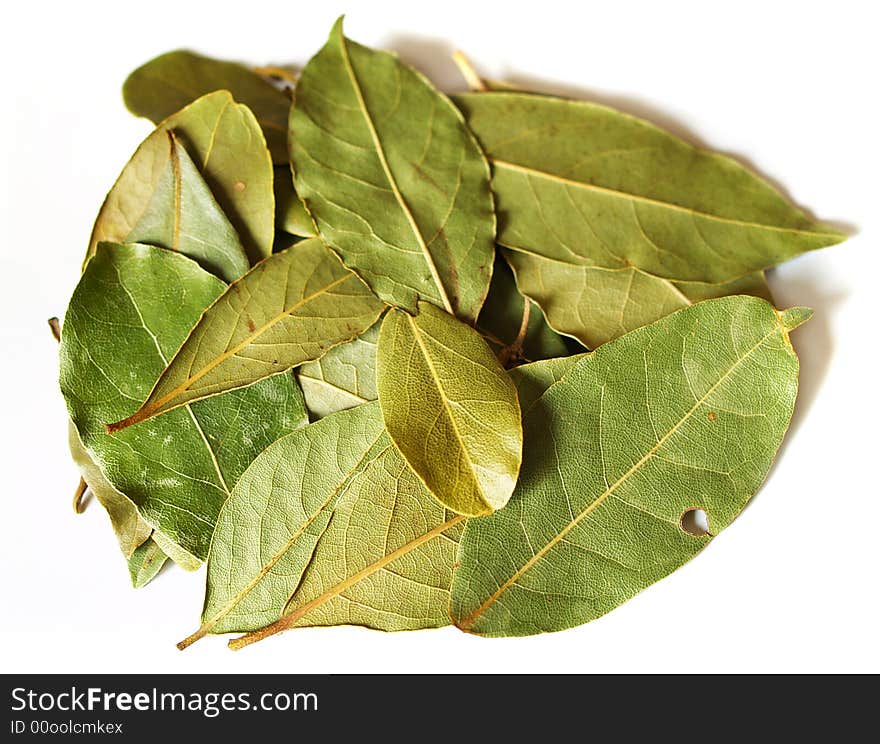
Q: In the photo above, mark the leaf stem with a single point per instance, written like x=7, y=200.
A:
x=79, y=505
x=469, y=72
x=287, y=621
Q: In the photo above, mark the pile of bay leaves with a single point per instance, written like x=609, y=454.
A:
x=385, y=358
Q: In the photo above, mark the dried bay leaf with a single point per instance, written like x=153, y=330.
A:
x=287, y=310
x=227, y=146
x=167, y=83
x=685, y=413
x=597, y=202
x=184, y=216
x=131, y=531
x=291, y=214
x=117, y=335
x=343, y=378
x=268, y=529
x=501, y=322
x=598, y=305
x=329, y=526
x=450, y=408
x=145, y=563
x=394, y=179
x=385, y=560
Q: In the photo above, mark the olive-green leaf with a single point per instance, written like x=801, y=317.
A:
x=145, y=563
x=319, y=507
x=592, y=198
x=184, y=216
x=598, y=305
x=291, y=214
x=169, y=82
x=533, y=379
x=393, y=178
x=131, y=531
x=227, y=146
x=287, y=310
x=385, y=560
x=343, y=378
x=267, y=530
x=502, y=317
x=450, y=408
x=131, y=310
x=682, y=414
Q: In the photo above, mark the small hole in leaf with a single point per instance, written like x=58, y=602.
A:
x=695, y=522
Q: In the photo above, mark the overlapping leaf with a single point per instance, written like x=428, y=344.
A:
x=227, y=146
x=393, y=178
x=686, y=413
x=145, y=563
x=609, y=210
x=287, y=310
x=343, y=378
x=291, y=215
x=502, y=318
x=184, y=216
x=330, y=505
x=171, y=81
x=450, y=409
x=131, y=310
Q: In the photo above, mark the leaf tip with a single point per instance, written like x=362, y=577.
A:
x=118, y=426
x=793, y=317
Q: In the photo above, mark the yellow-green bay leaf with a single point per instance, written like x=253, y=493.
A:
x=450, y=408
x=131, y=310
x=167, y=83
x=287, y=310
x=686, y=413
x=394, y=179
x=226, y=144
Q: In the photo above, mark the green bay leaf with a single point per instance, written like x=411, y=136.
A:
x=167, y=83
x=291, y=214
x=598, y=305
x=287, y=310
x=133, y=307
x=605, y=215
x=131, y=530
x=343, y=378
x=450, y=408
x=393, y=178
x=183, y=216
x=330, y=517
x=226, y=144
x=501, y=322
x=145, y=563
x=686, y=413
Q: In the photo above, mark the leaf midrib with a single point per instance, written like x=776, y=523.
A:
x=469, y=620
x=386, y=168
x=185, y=385
x=446, y=407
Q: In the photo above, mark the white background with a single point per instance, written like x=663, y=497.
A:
x=790, y=88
